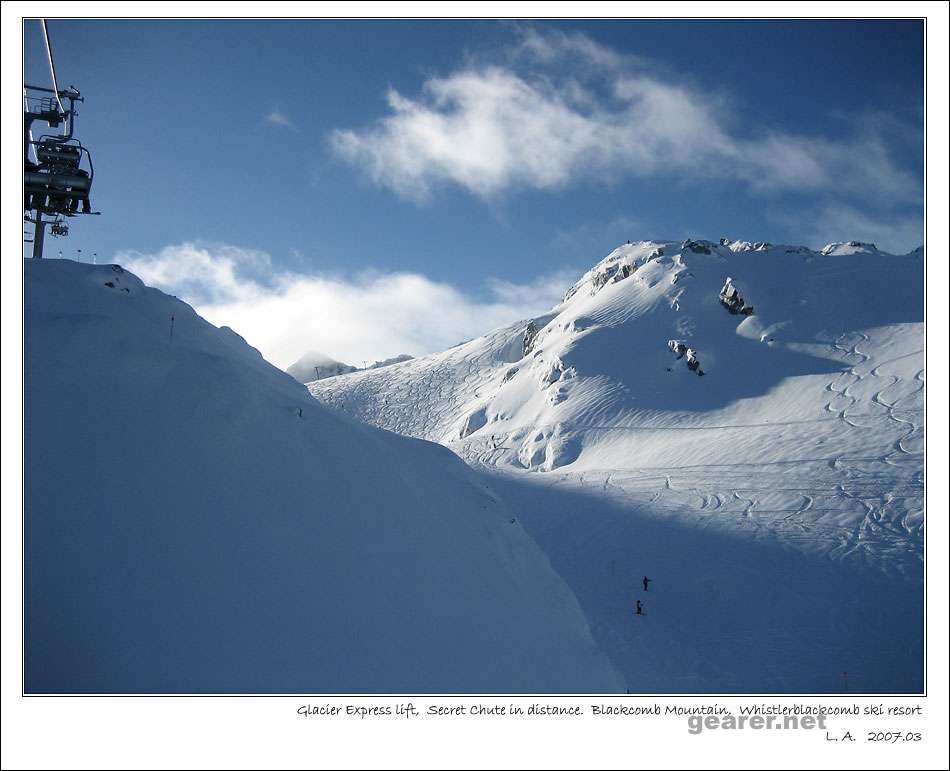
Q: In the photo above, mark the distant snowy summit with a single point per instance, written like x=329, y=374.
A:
x=850, y=247
x=313, y=366
x=832, y=249
x=843, y=248
x=316, y=366
x=745, y=246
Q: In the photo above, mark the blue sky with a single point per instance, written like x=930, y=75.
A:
x=372, y=187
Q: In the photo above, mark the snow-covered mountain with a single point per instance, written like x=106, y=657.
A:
x=317, y=366
x=850, y=247
x=195, y=522
x=743, y=419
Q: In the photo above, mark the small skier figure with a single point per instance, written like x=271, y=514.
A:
x=646, y=583
x=639, y=608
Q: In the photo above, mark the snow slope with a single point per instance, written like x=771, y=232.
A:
x=195, y=522
x=797, y=453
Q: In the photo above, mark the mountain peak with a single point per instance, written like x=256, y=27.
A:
x=849, y=247
x=315, y=365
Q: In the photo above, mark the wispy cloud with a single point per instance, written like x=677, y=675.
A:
x=559, y=108
x=897, y=233
x=278, y=118
x=367, y=316
x=583, y=241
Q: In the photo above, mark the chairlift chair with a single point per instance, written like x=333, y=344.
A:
x=56, y=183
x=59, y=228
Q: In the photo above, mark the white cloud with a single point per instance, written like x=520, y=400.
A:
x=278, y=118
x=203, y=275
x=561, y=108
x=365, y=316
x=538, y=296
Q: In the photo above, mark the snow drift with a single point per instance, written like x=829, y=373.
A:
x=195, y=522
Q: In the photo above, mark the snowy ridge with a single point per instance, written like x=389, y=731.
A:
x=804, y=434
x=195, y=522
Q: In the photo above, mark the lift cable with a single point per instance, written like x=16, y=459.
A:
x=52, y=69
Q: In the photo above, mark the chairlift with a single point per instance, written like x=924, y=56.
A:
x=58, y=171
x=56, y=181
x=59, y=227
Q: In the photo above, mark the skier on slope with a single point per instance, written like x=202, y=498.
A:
x=646, y=583
x=639, y=608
